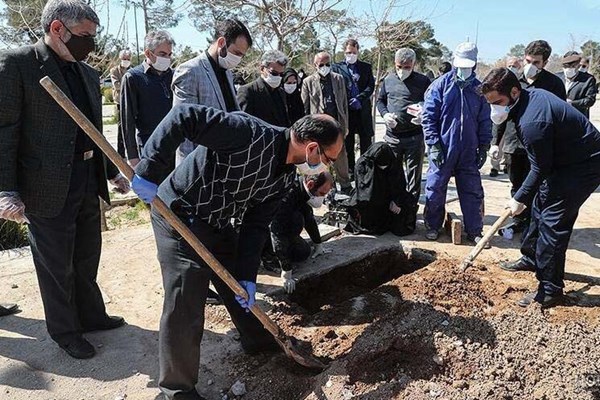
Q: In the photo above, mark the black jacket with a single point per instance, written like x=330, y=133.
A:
x=366, y=87
x=582, y=92
x=260, y=100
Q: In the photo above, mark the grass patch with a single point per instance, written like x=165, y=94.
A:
x=125, y=216
x=111, y=121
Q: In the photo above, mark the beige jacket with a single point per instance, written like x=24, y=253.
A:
x=312, y=97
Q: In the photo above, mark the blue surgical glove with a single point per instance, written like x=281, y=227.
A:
x=250, y=288
x=145, y=190
x=355, y=104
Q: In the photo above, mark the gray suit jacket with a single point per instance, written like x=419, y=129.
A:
x=37, y=138
x=195, y=82
x=312, y=96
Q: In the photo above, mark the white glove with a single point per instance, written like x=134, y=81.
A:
x=121, y=184
x=289, y=284
x=12, y=208
x=394, y=208
x=494, y=152
x=319, y=250
x=516, y=208
x=390, y=120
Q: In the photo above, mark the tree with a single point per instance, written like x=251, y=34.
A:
x=159, y=14
x=517, y=50
x=21, y=22
x=591, y=49
x=338, y=25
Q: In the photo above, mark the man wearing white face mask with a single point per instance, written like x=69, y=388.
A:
x=146, y=95
x=116, y=77
x=535, y=75
x=264, y=98
x=581, y=86
x=294, y=214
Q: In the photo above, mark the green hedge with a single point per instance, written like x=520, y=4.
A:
x=108, y=95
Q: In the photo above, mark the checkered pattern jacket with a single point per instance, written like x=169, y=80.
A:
x=240, y=171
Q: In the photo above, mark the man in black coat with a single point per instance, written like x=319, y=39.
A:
x=264, y=98
x=581, y=86
x=564, y=151
x=360, y=84
x=51, y=173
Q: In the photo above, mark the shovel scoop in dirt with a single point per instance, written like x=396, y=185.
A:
x=288, y=344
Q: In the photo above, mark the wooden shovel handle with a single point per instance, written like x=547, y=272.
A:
x=488, y=235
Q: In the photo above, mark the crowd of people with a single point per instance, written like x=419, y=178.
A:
x=225, y=156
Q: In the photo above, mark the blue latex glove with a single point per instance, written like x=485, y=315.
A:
x=355, y=104
x=250, y=288
x=145, y=190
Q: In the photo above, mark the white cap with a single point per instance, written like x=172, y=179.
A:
x=465, y=55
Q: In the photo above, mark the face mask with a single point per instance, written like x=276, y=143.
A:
x=324, y=70
x=515, y=71
x=464, y=73
x=306, y=169
x=570, y=72
x=125, y=63
x=530, y=71
x=499, y=113
x=290, y=87
x=273, y=81
x=351, y=58
x=229, y=61
x=79, y=46
x=161, y=64
x=583, y=69
x=403, y=73
x=316, y=201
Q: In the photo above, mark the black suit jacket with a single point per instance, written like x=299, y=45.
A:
x=37, y=138
x=582, y=92
x=261, y=101
x=366, y=87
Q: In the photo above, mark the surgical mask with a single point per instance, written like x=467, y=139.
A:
x=515, y=71
x=570, y=72
x=583, y=69
x=316, y=201
x=290, y=87
x=272, y=80
x=351, y=58
x=306, y=169
x=125, y=63
x=499, y=113
x=403, y=73
x=229, y=61
x=324, y=70
x=161, y=64
x=79, y=46
x=530, y=71
x=464, y=73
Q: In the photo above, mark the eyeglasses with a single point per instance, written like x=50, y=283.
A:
x=274, y=73
x=324, y=65
x=327, y=158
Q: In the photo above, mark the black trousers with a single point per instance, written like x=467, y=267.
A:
x=355, y=127
x=289, y=244
x=518, y=166
x=66, y=253
x=555, y=209
x=120, y=139
x=410, y=152
x=185, y=280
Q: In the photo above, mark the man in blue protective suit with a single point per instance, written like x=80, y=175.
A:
x=458, y=131
x=563, y=148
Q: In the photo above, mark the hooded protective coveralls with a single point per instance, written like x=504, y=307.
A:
x=458, y=117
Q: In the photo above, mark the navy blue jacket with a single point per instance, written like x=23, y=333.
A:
x=556, y=136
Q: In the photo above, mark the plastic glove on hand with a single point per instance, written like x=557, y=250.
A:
x=250, y=288
x=390, y=120
x=436, y=155
x=494, y=152
x=516, y=208
x=121, y=184
x=12, y=208
x=355, y=104
x=482, y=151
x=145, y=190
x=394, y=208
x=289, y=283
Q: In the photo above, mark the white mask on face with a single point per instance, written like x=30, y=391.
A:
x=464, y=73
x=570, y=72
x=324, y=70
x=307, y=169
x=403, y=73
x=161, y=64
x=125, y=63
x=351, y=58
x=583, y=69
x=530, y=71
x=515, y=70
x=229, y=61
x=290, y=87
x=499, y=113
x=316, y=201
x=273, y=81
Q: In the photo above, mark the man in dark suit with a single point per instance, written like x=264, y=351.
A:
x=360, y=84
x=581, y=86
x=51, y=173
x=264, y=98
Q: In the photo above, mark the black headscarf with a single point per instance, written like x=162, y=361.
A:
x=295, y=108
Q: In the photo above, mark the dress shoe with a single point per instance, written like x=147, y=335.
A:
x=514, y=266
x=108, y=323
x=545, y=300
x=77, y=347
x=493, y=173
x=7, y=309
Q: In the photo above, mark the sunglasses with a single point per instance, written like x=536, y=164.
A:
x=324, y=65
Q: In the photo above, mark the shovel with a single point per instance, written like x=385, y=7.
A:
x=468, y=261
x=288, y=344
